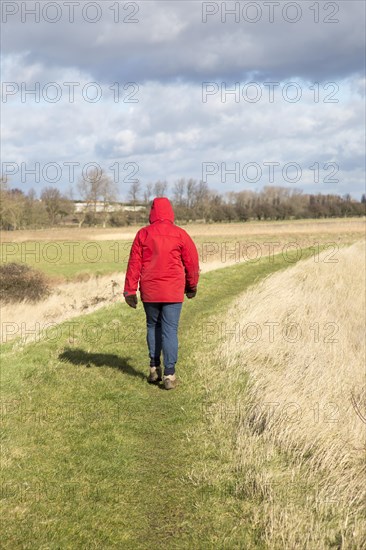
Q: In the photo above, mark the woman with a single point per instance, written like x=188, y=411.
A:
x=164, y=260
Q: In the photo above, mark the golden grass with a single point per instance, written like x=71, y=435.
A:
x=333, y=226
x=293, y=227
x=68, y=233
x=219, y=245
x=287, y=402
x=67, y=300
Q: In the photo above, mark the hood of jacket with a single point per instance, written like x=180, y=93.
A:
x=161, y=209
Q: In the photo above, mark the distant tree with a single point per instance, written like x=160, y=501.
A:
x=52, y=198
x=147, y=193
x=12, y=206
x=191, y=192
x=56, y=204
x=88, y=188
x=35, y=211
x=160, y=188
x=118, y=219
x=108, y=195
x=202, y=197
x=217, y=208
x=134, y=194
x=93, y=187
x=179, y=192
x=241, y=204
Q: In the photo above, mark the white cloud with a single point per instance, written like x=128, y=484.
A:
x=170, y=131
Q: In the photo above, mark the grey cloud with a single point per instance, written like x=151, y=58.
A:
x=170, y=132
x=170, y=42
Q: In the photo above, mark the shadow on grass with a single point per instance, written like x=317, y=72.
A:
x=80, y=357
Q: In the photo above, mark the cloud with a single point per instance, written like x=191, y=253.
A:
x=305, y=104
x=170, y=41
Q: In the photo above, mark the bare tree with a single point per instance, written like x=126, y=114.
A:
x=56, y=204
x=89, y=187
x=12, y=206
x=36, y=214
x=160, y=188
x=51, y=197
x=133, y=194
x=93, y=187
x=147, y=193
x=202, y=199
x=179, y=192
x=191, y=192
x=108, y=194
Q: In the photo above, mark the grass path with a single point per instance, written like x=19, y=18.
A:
x=93, y=456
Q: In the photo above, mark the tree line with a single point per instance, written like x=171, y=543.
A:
x=192, y=200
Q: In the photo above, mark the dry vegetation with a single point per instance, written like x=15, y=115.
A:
x=285, y=394
x=20, y=282
x=66, y=301
x=334, y=226
x=286, y=407
x=219, y=245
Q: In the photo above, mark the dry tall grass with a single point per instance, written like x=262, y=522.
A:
x=287, y=402
x=333, y=226
x=67, y=300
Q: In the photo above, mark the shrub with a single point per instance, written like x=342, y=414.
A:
x=20, y=282
x=118, y=219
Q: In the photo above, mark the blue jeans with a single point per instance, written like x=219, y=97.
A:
x=162, y=320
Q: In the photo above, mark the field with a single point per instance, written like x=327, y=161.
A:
x=261, y=445
x=67, y=254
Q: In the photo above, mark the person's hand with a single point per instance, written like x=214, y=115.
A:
x=131, y=300
x=191, y=294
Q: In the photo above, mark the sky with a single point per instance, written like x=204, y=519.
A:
x=237, y=94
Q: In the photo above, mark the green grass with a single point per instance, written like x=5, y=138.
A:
x=69, y=258
x=93, y=456
x=75, y=259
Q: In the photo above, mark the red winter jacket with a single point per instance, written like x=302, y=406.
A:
x=163, y=258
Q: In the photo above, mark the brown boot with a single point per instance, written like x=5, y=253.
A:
x=155, y=375
x=170, y=381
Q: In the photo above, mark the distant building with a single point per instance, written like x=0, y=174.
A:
x=129, y=208
x=81, y=206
